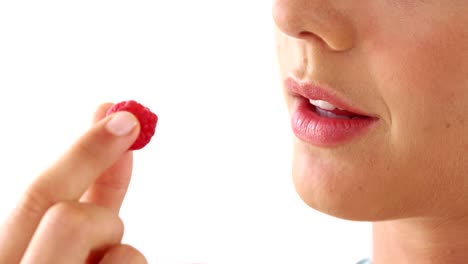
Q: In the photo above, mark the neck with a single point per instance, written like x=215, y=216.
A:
x=422, y=240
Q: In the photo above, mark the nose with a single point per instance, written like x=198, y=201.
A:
x=316, y=21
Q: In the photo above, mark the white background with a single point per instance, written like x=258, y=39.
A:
x=214, y=185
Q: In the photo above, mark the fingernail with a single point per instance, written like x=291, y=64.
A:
x=121, y=123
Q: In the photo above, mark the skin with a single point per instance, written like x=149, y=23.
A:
x=405, y=63
x=69, y=214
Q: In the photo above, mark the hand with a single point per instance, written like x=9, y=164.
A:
x=69, y=214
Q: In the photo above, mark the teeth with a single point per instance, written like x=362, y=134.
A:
x=323, y=104
x=324, y=113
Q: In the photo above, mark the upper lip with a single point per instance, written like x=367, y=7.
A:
x=312, y=91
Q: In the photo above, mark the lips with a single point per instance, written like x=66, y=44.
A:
x=322, y=119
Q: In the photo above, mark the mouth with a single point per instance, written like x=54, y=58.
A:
x=327, y=110
x=323, y=119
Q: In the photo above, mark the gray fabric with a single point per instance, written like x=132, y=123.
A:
x=364, y=261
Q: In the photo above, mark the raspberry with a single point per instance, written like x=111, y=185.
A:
x=146, y=118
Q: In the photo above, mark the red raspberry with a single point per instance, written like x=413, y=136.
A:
x=146, y=118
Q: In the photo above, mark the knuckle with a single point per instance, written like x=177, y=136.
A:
x=118, y=227
x=121, y=225
x=81, y=221
x=69, y=219
x=88, y=151
x=125, y=251
x=36, y=200
x=139, y=257
x=135, y=255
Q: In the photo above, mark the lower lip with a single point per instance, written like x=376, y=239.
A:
x=326, y=132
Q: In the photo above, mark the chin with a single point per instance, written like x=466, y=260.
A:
x=329, y=199
x=340, y=187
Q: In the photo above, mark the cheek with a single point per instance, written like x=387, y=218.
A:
x=286, y=52
x=423, y=77
x=428, y=59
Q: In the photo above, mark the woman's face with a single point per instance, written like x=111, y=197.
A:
x=400, y=70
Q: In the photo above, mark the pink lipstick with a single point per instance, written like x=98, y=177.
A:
x=323, y=119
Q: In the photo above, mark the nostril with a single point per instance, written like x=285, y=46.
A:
x=335, y=43
x=309, y=36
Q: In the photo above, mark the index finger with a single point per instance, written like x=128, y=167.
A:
x=109, y=189
x=96, y=151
